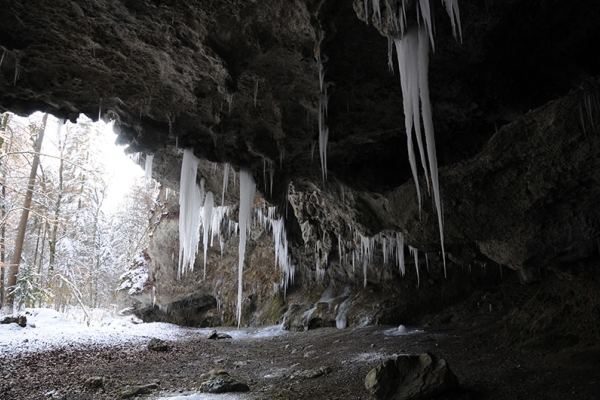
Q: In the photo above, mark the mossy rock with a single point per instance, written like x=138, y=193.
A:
x=94, y=383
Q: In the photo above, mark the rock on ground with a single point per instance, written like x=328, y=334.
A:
x=410, y=378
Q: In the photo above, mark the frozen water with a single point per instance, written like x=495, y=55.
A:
x=247, y=191
x=189, y=212
x=207, y=223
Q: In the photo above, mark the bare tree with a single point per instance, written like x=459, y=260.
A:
x=16, y=258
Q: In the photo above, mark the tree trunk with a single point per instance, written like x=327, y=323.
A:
x=55, y=222
x=2, y=219
x=16, y=259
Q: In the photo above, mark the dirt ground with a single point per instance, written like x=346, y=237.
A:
x=487, y=366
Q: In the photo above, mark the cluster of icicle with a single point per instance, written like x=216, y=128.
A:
x=283, y=258
x=195, y=217
x=412, y=48
x=392, y=249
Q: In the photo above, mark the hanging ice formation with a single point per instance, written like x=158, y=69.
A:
x=247, y=190
x=225, y=182
x=229, y=99
x=207, y=211
x=412, y=49
x=148, y=166
x=323, y=128
x=392, y=248
x=268, y=165
x=189, y=206
x=415, y=253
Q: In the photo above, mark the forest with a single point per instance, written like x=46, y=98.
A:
x=68, y=227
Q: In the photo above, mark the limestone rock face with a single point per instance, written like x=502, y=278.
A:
x=410, y=378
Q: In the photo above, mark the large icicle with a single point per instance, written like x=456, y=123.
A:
x=189, y=212
x=413, y=59
x=323, y=135
x=423, y=60
x=406, y=49
x=207, y=223
x=247, y=190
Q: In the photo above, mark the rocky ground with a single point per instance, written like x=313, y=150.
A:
x=488, y=364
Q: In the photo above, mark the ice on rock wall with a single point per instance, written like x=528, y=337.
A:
x=189, y=215
x=247, y=191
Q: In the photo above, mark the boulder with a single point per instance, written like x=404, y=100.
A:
x=94, y=382
x=20, y=320
x=133, y=391
x=216, y=335
x=219, y=381
x=410, y=378
x=158, y=345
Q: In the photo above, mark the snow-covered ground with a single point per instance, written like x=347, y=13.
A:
x=47, y=329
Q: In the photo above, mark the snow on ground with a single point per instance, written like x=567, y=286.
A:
x=47, y=329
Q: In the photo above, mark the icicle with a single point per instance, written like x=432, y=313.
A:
x=423, y=60
x=281, y=156
x=189, y=221
x=229, y=99
x=377, y=10
x=247, y=190
x=207, y=223
x=407, y=60
x=400, y=253
x=454, y=14
x=323, y=137
x=16, y=73
x=321, y=73
x=2, y=58
x=100, y=110
x=426, y=15
x=384, y=251
x=148, y=166
x=415, y=253
x=367, y=11
x=391, y=54
x=225, y=181
x=202, y=183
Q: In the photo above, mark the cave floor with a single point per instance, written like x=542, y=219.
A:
x=487, y=366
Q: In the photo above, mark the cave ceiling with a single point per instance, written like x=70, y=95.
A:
x=238, y=82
